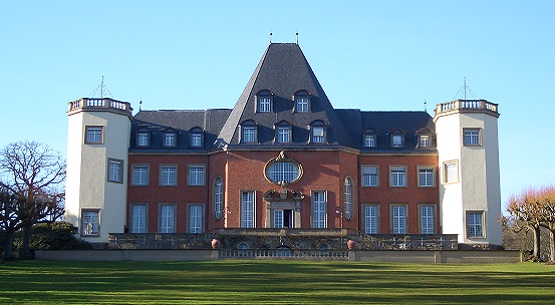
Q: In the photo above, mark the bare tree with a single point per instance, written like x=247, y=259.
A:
x=526, y=215
x=546, y=201
x=34, y=174
x=10, y=221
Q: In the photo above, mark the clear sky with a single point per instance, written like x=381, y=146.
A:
x=370, y=55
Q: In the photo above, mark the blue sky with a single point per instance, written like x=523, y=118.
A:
x=371, y=55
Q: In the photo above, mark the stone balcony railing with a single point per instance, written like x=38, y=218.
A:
x=99, y=104
x=467, y=105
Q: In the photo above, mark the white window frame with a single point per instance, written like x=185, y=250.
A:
x=264, y=103
x=370, y=176
x=168, y=175
x=115, y=170
x=371, y=219
x=167, y=218
x=197, y=175
x=94, y=134
x=399, y=214
x=196, y=139
x=319, y=209
x=427, y=218
x=90, y=222
x=170, y=139
x=218, y=197
x=143, y=139
x=318, y=134
x=283, y=134
x=140, y=175
x=302, y=103
x=195, y=219
x=248, y=209
x=397, y=140
x=398, y=176
x=348, y=203
x=248, y=134
x=424, y=141
x=139, y=218
x=475, y=224
x=451, y=171
x=426, y=176
x=278, y=219
x=369, y=140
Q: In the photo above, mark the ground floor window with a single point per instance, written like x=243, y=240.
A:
x=90, y=223
x=399, y=219
x=138, y=218
x=247, y=209
x=371, y=220
x=474, y=224
x=319, y=209
x=427, y=219
x=195, y=218
x=167, y=218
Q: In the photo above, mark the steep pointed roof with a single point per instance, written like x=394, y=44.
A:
x=284, y=70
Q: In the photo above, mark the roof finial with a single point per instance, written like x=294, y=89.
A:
x=140, y=104
x=425, y=102
x=297, y=36
x=270, y=36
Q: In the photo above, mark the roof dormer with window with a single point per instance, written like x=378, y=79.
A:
x=264, y=101
x=197, y=137
x=302, y=100
x=397, y=138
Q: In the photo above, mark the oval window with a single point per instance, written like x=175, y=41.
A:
x=283, y=172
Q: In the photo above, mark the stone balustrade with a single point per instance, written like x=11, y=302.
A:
x=99, y=104
x=466, y=105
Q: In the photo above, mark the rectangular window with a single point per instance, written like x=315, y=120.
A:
x=317, y=134
x=93, y=134
x=398, y=176
x=264, y=103
x=196, y=140
x=369, y=176
x=397, y=140
x=169, y=139
x=371, y=219
x=369, y=140
x=142, y=139
x=302, y=103
x=115, y=170
x=399, y=219
x=196, y=175
x=424, y=141
x=167, y=218
x=248, y=134
x=319, y=209
x=247, y=209
x=283, y=134
x=168, y=175
x=472, y=136
x=474, y=224
x=140, y=175
x=90, y=223
x=138, y=218
x=195, y=218
x=427, y=219
x=278, y=219
x=451, y=171
x=425, y=177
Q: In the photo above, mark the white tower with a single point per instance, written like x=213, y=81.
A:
x=97, y=160
x=469, y=188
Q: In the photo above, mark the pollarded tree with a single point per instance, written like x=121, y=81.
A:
x=34, y=173
x=546, y=196
x=525, y=211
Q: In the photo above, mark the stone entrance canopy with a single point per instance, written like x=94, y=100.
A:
x=283, y=208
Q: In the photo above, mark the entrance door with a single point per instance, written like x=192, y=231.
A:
x=283, y=218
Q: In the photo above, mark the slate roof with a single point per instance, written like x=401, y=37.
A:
x=283, y=70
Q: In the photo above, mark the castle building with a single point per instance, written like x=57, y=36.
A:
x=284, y=157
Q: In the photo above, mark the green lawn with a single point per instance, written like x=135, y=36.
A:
x=271, y=282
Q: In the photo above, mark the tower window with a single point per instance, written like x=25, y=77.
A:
x=93, y=135
x=115, y=170
x=472, y=136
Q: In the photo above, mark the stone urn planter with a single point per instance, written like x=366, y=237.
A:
x=216, y=243
x=351, y=244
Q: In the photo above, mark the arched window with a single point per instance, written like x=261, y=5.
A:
x=302, y=101
x=348, y=198
x=264, y=101
x=218, y=197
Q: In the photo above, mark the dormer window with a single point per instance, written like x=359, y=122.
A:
x=424, y=138
x=302, y=101
x=196, y=137
x=318, y=132
x=397, y=138
x=248, y=132
x=369, y=138
x=170, y=139
x=143, y=138
x=283, y=133
x=264, y=100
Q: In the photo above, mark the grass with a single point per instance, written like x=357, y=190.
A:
x=273, y=282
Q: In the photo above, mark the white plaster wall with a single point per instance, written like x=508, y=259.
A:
x=73, y=170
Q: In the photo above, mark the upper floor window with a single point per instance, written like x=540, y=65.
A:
x=143, y=138
x=170, y=139
x=398, y=176
x=451, y=171
x=369, y=176
x=168, y=175
x=140, y=175
x=115, y=170
x=196, y=137
x=348, y=197
x=196, y=175
x=426, y=176
x=397, y=138
x=93, y=134
x=248, y=132
x=264, y=100
x=218, y=197
x=424, y=138
x=318, y=132
x=283, y=133
x=302, y=101
x=369, y=138
x=472, y=136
